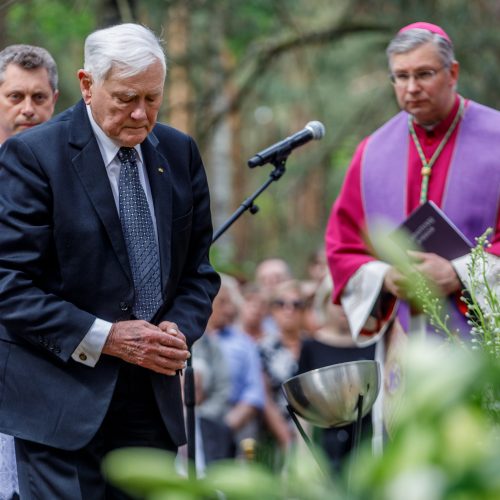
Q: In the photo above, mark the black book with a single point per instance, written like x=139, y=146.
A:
x=431, y=230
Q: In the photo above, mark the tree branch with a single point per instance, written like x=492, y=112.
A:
x=270, y=52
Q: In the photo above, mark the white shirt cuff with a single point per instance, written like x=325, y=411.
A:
x=359, y=297
x=89, y=350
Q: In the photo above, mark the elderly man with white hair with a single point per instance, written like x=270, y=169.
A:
x=105, y=280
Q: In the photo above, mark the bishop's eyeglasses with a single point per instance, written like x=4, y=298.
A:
x=402, y=79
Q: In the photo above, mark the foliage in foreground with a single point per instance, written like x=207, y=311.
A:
x=153, y=474
x=444, y=446
x=446, y=443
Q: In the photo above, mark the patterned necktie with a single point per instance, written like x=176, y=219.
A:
x=140, y=238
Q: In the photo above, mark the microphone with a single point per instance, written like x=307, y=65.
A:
x=279, y=151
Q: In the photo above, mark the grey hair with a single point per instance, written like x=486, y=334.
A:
x=29, y=57
x=413, y=38
x=128, y=48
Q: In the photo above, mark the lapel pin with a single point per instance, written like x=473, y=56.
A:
x=160, y=169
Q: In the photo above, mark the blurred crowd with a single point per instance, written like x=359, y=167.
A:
x=260, y=334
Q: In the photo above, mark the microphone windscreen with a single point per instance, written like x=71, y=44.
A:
x=317, y=129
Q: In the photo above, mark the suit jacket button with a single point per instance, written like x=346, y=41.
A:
x=124, y=306
x=83, y=356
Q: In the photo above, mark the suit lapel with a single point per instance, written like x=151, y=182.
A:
x=89, y=166
x=160, y=181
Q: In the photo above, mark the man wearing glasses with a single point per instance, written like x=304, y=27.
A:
x=440, y=147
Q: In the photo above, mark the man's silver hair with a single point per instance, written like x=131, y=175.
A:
x=413, y=38
x=126, y=48
x=29, y=57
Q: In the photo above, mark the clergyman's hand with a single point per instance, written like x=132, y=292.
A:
x=162, y=348
x=437, y=270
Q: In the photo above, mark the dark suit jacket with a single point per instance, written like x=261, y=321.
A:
x=63, y=262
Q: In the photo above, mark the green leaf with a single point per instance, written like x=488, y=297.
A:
x=144, y=471
x=245, y=480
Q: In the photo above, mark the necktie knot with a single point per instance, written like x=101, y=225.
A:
x=127, y=155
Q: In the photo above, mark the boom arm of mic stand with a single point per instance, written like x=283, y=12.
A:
x=276, y=174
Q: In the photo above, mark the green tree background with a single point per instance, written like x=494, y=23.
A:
x=244, y=74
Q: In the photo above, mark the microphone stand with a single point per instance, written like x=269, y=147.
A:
x=248, y=204
x=189, y=384
x=190, y=402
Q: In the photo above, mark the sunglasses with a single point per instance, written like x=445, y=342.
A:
x=294, y=304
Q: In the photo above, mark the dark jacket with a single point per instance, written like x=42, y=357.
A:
x=63, y=262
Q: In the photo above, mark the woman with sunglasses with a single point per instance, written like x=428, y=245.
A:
x=280, y=355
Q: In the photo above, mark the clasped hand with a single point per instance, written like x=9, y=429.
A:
x=161, y=348
x=436, y=269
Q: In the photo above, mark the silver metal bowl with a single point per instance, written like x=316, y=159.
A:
x=328, y=397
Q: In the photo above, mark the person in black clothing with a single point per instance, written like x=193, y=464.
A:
x=330, y=345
